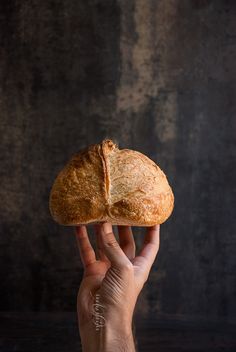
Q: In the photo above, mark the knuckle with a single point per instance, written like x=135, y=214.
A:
x=127, y=267
x=110, y=241
x=111, y=244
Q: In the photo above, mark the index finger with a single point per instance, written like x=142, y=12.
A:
x=111, y=247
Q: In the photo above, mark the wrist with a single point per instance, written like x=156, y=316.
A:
x=108, y=337
x=119, y=340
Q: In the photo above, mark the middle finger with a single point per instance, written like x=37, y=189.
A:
x=127, y=242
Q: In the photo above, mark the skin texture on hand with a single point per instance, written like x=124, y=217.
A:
x=111, y=285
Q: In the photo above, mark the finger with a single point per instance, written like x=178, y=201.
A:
x=112, y=249
x=101, y=255
x=87, y=253
x=149, y=249
x=127, y=241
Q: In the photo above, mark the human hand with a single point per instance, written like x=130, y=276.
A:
x=111, y=285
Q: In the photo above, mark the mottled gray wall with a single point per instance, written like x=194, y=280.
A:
x=158, y=76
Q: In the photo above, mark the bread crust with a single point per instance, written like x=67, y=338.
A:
x=104, y=183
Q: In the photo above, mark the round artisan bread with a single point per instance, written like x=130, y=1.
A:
x=105, y=183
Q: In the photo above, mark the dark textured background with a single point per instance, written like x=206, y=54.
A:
x=158, y=76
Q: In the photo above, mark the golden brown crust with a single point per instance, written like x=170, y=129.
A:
x=103, y=183
x=140, y=192
x=78, y=193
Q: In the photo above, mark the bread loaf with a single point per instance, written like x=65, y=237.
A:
x=104, y=183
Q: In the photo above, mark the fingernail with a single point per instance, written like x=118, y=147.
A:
x=106, y=227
